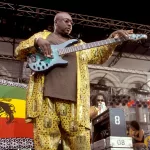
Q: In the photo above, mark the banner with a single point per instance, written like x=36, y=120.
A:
x=14, y=132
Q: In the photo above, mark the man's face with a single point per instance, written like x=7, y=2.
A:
x=64, y=23
x=100, y=98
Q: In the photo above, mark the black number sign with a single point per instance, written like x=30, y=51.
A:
x=112, y=121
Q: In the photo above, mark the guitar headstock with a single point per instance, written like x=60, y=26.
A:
x=136, y=37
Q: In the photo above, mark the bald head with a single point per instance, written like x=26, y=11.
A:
x=62, y=23
x=61, y=15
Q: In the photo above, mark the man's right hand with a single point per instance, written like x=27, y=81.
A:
x=44, y=45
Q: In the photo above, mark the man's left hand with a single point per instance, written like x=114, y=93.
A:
x=121, y=34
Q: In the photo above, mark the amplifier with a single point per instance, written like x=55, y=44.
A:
x=110, y=123
x=99, y=145
x=116, y=142
x=120, y=149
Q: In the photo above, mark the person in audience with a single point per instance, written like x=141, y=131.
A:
x=137, y=133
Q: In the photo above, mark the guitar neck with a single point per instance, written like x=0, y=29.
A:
x=72, y=49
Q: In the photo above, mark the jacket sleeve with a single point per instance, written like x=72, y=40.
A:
x=27, y=46
x=98, y=55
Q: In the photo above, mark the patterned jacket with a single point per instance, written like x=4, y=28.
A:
x=34, y=98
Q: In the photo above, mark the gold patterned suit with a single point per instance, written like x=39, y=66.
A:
x=56, y=119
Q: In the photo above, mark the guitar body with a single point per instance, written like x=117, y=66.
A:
x=38, y=62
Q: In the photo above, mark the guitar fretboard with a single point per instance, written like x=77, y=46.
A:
x=90, y=45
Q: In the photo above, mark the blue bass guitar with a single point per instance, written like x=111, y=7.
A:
x=38, y=62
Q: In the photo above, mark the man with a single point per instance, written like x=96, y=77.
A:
x=58, y=102
x=101, y=103
x=98, y=105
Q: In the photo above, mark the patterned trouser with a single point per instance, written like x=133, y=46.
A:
x=58, y=122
